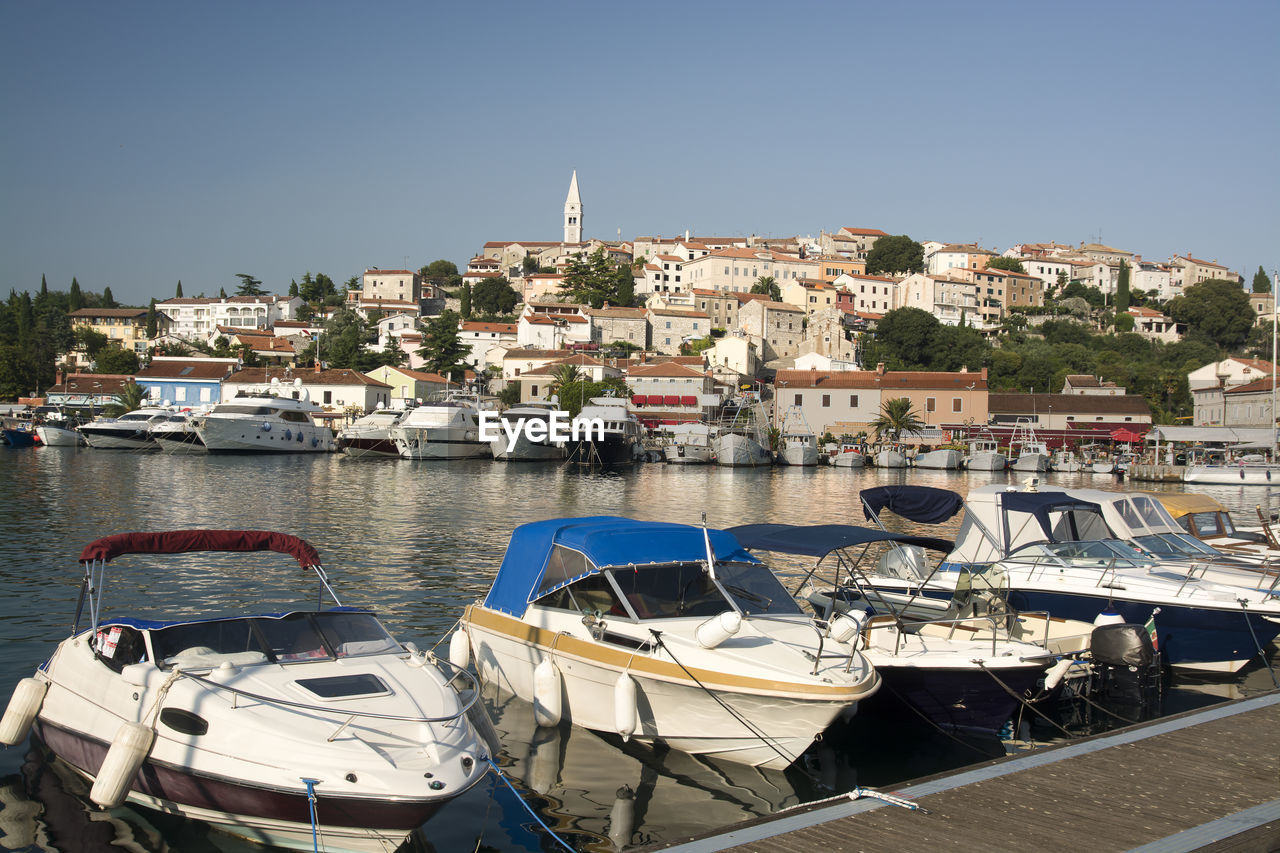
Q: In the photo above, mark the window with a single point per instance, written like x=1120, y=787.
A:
x=328, y=397
x=853, y=401
x=826, y=401
x=957, y=405
x=799, y=400
x=533, y=390
x=930, y=404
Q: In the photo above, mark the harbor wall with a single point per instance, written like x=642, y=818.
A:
x=1156, y=473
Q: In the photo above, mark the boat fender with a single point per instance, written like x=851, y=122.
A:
x=124, y=759
x=1053, y=675
x=624, y=706
x=25, y=703
x=622, y=817
x=846, y=626
x=546, y=693
x=1108, y=617
x=459, y=649
x=266, y=427
x=717, y=629
x=288, y=435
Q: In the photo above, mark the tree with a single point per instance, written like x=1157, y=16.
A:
x=904, y=339
x=1062, y=281
x=529, y=265
x=249, y=286
x=129, y=398
x=510, y=394
x=222, y=293
x=464, y=302
x=1122, y=289
x=153, y=325
x=595, y=280
x=442, y=274
x=90, y=341
x=442, y=350
x=178, y=293
x=1003, y=263
x=768, y=285
x=562, y=376
x=895, y=254
x=574, y=395
x=1217, y=308
x=76, y=300
x=293, y=288
x=895, y=418
x=108, y=301
x=1261, y=284
x=1124, y=322
x=116, y=360
x=494, y=296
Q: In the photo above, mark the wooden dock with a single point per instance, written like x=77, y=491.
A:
x=1202, y=780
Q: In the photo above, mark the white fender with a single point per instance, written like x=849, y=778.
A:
x=25, y=703
x=1108, y=617
x=622, y=817
x=128, y=750
x=1054, y=675
x=459, y=649
x=846, y=626
x=717, y=629
x=624, y=706
x=546, y=694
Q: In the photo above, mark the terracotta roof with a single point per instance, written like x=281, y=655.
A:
x=126, y=313
x=1090, y=404
x=332, y=376
x=888, y=382
x=752, y=297
x=577, y=360
x=617, y=313
x=665, y=369
x=500, y=328
x=424, y=376
x=91, y=383
x=865, y=277
x=389, y=272
x=533, y=353
x=1201, y=263
x=501, y=244
x=864, y=232
x=675, y=312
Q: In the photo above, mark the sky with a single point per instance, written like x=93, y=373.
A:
x=147, y=143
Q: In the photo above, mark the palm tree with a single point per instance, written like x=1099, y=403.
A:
x=562, y=376
x=768, y=285
x=895, y=418
x=127, y=399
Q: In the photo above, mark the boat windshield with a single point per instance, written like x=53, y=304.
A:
x=1102, y=553
x=263, y=639
x=686, y=589
x=1177, y=546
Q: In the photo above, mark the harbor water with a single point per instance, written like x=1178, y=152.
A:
x=417, y=541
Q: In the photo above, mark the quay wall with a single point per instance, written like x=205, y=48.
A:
x=1156, y=473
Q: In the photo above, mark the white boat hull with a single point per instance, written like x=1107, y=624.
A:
x=103, y=440
x=51, y=436
x=890, y=459
x=1232, y=475
x=246, y=435
x=799, y=455
x=984, y=461
x=687, y=454
x=849, y=459
x=1102, y=467
x=439, y=443
x=946, y=460
x=738, y=451
x=1031, y=462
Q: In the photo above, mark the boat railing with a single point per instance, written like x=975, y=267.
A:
x=954, y=623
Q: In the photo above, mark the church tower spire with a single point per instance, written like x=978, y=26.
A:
x=573, y=212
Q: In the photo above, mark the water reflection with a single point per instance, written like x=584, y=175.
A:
x=417, y=542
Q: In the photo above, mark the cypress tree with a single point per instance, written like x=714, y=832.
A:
x=1261, y=284
x=1122, y=289
x=178, y=294
x=152, y=324
x=108, y=301
x=75, y=301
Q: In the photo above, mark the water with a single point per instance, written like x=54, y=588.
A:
x=417, y=542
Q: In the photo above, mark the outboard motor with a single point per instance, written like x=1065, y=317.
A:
x=1126, y=670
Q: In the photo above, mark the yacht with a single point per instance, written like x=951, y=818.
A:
x=177, y=434
x=516, y=442
x=273, y=727
x=662, y=633
x=605, y=434
x=370, y=436
x=442, y=428
x=130, y=431
x=985, y=455
x=688, y=444
x=265, y=421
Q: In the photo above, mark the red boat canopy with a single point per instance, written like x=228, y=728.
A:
x=182, y=541
x=1127, y=435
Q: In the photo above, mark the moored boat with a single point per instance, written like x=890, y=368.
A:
x=446, y=427
x=984, y=455
x=130, y=431
x=177, y=434
x=945, y=459
x=521, y=441
x=849, y=456
x=688, y=444
x=370, y=435
x=798, y=445
x=265, y=420
x=605, y=434
x=661, y=632
x=277, y=728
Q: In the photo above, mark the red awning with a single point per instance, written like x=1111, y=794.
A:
x=183, y=541
x=671, y=400
x=639, y=400
x=688, y=401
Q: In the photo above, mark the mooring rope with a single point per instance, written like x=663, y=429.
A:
x=1025, y=703
x=1244, y=605
x=527, y=807
x=311, y=802
x=859, y=793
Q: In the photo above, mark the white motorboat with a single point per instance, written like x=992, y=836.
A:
x=442, y=428
x=891, y=458
x=52, y=435
x=369, y=436
x=1210, y=521
x=1032, y=453
x=799, y=446
x=660, y=632
x=605, y=434
x=130, y=431
x=688, y=444
x=517, y=442
x=177, y=434
x=743, y=438
x=1240, y=472
x=945, y=459
x=279, y=728
x=985, y=455
x=265, y=421
x=849, y=456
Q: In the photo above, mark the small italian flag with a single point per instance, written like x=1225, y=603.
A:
x=1150, y=625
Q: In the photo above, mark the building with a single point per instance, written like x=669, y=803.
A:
x=336, y=389
x=1154, y=325
x=186, y=382
x=1088, y=413
x=196, y=319
x=1186, y=271
x=536, y=384
x=776, y=328
x=1250, y=405
x=1210, y=383
x=85, y=390
x=870, y=294
x=1263, y=305
x=124, y=327
x=390, y=286
x=738, y=270
x=618, y=325
x=480, y=338
x=810, y=294
x=827, y=335
x=957, y=256
x=668, y=393
x=408, y=386
x=733, y=354
x=573, y=212
x=1091, y=385
x=949, y=299
x=1105, y=254
x=552, y=325
x=850, y=243
x=670, y=328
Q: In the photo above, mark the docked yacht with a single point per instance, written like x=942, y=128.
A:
x=985, y=455
x=369, y=436
x=265, y=421
x=605, y=434
x=688, y=444
x=130, y=431
x=518, y=443
x=279, y=728
x=661, y=632
x=177, y=434
x=743, y=439
x=443, y=428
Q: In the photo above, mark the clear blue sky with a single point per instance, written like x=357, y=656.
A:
x=147, y=142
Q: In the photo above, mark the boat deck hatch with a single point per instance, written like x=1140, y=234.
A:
x=343, y=686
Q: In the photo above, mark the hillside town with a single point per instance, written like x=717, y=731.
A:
x=689, y=322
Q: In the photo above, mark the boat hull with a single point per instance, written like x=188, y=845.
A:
x=236, y=435
x=52, y=436
x=738, y=451
x=525, y=450
x=19, y=437
x=962, y=700
x=849, y=459
x=425, y=443
x=184, y=442
x=614, y=450
x=987, y=462
x=687, y=454
x=890, y=459
x=359, y=448
x=946, y=460
x=803, y=456
x=1232, y=475
x=109, y=440
x=1030, y=462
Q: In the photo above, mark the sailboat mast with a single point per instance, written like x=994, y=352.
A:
x=1274, y=437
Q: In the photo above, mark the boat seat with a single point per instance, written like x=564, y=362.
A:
x=203, y=657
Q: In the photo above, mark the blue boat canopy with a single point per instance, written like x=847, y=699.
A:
x=923, y=504
x=1041, y=504
x=818, y=540
x=546, y=555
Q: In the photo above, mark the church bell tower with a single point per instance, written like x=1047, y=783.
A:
x=573, y=212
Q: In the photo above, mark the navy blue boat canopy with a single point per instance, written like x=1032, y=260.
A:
x=1041, y=504
x=818, y=540
x=923, y=504
x=546, y=555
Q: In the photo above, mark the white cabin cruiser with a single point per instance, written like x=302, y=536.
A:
x=442, y=428
x=177, y=434
x=661, y=632
x=281, y=728
x=265, y=421
x=369, y=436
x=517, y=442
x=130, y=431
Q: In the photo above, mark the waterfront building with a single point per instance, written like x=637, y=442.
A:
x=536, y=383
x=186, y=382
x=483, y=337
x=85, y=390
x=670, y=393
x=123, y=327
x=338, y=390
x=1209, y=383
x=1060, y=412
x=408, y=386
x=197, y=318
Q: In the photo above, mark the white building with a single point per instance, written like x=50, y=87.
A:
x=482, y=337
x=198, y=318
x=336, y=389
x=738, y=270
